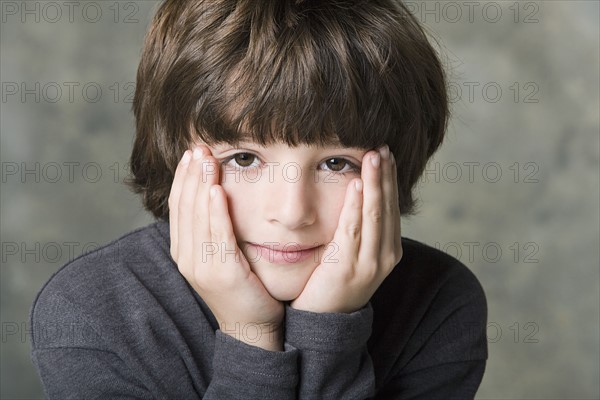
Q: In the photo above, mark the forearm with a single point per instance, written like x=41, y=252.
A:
x=250, y=372
x=334, y=361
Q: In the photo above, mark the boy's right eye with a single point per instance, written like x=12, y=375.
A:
x=244, y=160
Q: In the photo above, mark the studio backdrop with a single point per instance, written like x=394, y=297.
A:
x=513, y=192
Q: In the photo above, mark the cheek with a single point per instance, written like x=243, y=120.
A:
x=241, y=201
x=331, y=202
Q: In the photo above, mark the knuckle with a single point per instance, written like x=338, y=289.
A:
x=219, y=237
x=389, y=262
x=201, y=279
x=371, y=273
x=389, y=207
x=353, y=230
x=228, y=278
x=375, y=215
x=222, y=279
x=346, y=274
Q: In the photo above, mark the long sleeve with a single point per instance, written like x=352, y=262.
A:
x=121, y=322
x=81, y=373
x=72, y=357
x=242, y=371
x=429, y=329
x=334, y=361
x=77, y=360
x=448, y=360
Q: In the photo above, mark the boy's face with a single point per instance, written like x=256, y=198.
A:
x=284, y=198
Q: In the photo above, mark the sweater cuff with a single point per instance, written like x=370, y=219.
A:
x=243, y=362
x=328, y=332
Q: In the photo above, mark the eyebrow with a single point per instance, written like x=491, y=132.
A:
x=333, y=142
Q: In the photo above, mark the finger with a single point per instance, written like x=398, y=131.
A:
x=372, y=211
x=397, y=217
x=388, y=222
x=203, y=246
x=174, y=195
x=221, y=230
x=347, y=238
x=186, y=211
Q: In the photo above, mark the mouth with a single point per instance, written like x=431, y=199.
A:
x=289, y=253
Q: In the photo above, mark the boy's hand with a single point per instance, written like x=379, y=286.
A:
x=204, y=247
x=366, y=245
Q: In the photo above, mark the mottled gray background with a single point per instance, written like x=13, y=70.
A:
x=513, y=193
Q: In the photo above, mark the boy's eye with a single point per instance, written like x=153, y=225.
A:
x=244, y=159
x=336, y=164
x=340, y=165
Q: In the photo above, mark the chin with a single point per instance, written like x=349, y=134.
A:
x=283, y=284
x=284, y=293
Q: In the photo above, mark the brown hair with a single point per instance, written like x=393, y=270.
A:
x=291, y=71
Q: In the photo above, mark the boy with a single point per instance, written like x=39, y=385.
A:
x=277, y=144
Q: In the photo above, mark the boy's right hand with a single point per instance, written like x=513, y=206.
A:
x=204, y=247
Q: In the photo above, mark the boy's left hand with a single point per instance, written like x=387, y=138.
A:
x=366, y=245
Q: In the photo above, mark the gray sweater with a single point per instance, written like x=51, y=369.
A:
x=121, y=322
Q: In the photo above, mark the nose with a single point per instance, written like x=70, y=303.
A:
x=291, y=203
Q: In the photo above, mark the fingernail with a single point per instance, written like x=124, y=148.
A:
x=197, y=153
x=385, y=152
x=358, y=185
x=186, y=157
x=375, y=159
x=213, y=192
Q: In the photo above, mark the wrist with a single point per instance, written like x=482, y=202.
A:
x=339, y=307
x=346, y=332
x=266, y=336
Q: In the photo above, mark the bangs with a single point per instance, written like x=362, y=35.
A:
x=307, y=83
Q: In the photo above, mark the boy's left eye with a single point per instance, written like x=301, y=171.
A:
x=336, y=164
x=340, y=165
